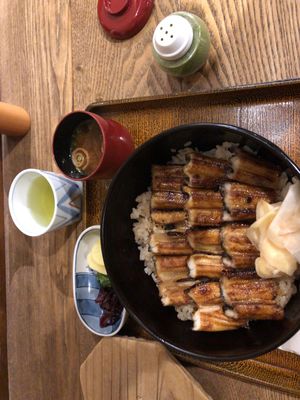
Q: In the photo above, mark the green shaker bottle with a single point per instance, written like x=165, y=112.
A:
x=181, y=43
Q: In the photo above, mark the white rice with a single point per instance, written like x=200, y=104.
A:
x=142, y=229
x=185, y=313
x=286, y=290
x=180, y=157
x=224, y=151
x=143, y=226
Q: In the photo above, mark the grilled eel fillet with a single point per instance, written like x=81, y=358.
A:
x=168, y=207
x=172, y=251
x=206, y=172
x=205, y=265
x=204, y=207
x=238, y=204
x=240, y=252
x=171, y=268
x=246, y=273
x=255, y=311
x=231, y=238
x=209, y=172
x=168, y=217
x=202, y=198
x=175, y=293
x=241, y=200
x=206, y=240
x=174, y=268
x=255, y=291
x=206, y=293
x=252, y=298
x=170, y=228
x=176, y=205
x=240, y=260
x=168, y=200
x=189, y=198
x=167, y=178
x=252, y=170
x=170, y=244
x=213, y=319
x=198, y=265
x=205, y=217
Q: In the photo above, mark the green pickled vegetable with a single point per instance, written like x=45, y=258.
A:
x=103, y=280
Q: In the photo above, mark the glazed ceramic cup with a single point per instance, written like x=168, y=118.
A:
x=117, y=145
x=65, y=196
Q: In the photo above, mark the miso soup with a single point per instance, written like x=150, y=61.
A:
x=86, y=147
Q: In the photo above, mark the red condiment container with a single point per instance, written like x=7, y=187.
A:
x=122, y=19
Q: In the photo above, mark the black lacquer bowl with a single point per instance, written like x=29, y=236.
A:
x=138, y=292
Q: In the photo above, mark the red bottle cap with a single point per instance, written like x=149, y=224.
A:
x=123, y=19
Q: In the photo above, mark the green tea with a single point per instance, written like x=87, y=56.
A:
x=41, y=201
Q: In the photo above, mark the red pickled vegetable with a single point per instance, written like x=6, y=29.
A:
x=111, y=306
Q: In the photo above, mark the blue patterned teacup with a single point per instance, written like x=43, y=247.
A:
x=42, y=201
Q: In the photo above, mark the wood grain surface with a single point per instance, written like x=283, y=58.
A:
x=3, y=341
x=44, y=333
x=269, y=111
x=222, y=387
x=136, y=369
x=253, y=41
x=54, y=57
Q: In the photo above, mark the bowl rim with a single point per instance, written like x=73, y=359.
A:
x=272, y=147
x=56, y=135
x=124, y=316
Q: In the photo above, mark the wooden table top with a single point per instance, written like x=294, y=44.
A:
x=54, y=58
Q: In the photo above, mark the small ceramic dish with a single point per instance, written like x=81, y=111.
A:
x=86, y=287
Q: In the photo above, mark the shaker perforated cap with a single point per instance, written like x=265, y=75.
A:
x=173, y=37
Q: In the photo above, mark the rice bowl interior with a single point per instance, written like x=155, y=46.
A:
x=126, y=270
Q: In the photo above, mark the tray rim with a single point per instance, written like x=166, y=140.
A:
x=252, y=89
x=241, y=375
x=285, y=83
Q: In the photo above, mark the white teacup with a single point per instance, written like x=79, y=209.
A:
x=42, y=201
